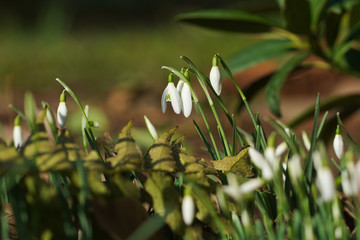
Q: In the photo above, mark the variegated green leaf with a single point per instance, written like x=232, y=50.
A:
x=239, y=164
x=160, y=155
x=188, y=163
x=165, y=199
x=128, y=154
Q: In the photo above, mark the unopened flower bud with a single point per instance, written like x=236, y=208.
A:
x=215, y=76
x=62, y=110
x=338, y=143
x=17, y=133
x=188, y=208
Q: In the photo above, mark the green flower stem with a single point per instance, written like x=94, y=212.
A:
x=196, y=100
x=205, y=79
x=88, y=132
x=216, y=116
x=240, y=92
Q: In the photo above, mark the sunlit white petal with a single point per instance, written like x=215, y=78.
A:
x=62, y=114
x=174, y=98
x=163, y=100
x=188, y=209
x=151, y=128
x=215, y=79
x=186, y=100
x=17, y=136
x=338, y=145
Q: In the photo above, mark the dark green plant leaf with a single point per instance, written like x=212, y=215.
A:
x=298, y=16
x=239, y=164
x=165, y=199
x=259, y=52
x=160, y=156
x=119, y=217
x=128, y=155
x=332, y=26
x=229, y=20
x=326, y=105
x=272, y=90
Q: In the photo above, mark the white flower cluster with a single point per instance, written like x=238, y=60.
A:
x=179, y=96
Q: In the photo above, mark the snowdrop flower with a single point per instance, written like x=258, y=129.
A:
x=350, y=179
x=338, y=143
x=17, y=133
x=294, y=167
x=188, y=208
x=325, y=184
x=151, y=128
x=185, y=94
x=269, y=162
x=236, y=191
x=62, y=111
x=171, y=94
x=215, y=77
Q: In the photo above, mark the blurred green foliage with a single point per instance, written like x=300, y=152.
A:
x=327, y=29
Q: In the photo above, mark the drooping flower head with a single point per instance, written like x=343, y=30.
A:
x=171, y=94
x=338, y=143
x=215, y=76
x=62, y=111
x=188, y=207
x=17, y=133
x=185, y=94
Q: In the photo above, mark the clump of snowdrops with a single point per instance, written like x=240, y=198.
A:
x=253, y=186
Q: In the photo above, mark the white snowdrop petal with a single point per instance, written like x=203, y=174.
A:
x=280, y=149
x=338, y=145
x=17, y=136
x=62, y=114
x=186, y=100
x=294, y=167
x=215, y=79
x=188, y=209
x=180, y=85
x=151, y=128
x=325, y=184
x=256, y=157
x=163, y=100
x=175, y=98
x=251, y=185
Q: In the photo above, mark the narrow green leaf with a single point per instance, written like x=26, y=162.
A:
x=148, y=228
x=260, y=52
x=308, y=164
x=298, y=16
x=272, y=90
x=205, y=141
x=82, y=211
x=326, y=105
x=30, y=108
x=229, y=20
x=165, y=199
x=22, y=115
x=332, y=27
